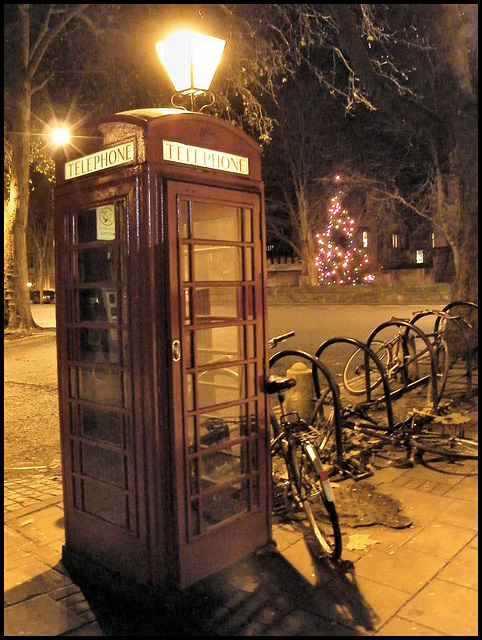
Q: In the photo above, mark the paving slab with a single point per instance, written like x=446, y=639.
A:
x=33, y=579
x=466, y=489
x=357, y=602
x=419, y=506
x=39, y=616
x=400, y=627
x=458, y=604
x=462, y=513
x=440, y=539
x=462, y=569
x=406, y=569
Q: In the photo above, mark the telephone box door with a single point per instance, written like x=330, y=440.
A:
x=218, y=345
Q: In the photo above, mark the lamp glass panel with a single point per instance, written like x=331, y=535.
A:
x=175, y=56
x=181, y=49
x=206, y=54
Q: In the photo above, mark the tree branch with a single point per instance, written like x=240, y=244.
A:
x=52, y=32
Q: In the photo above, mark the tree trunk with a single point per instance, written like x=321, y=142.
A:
x=465, y=252
x=16, y=214
x=309, y=272
x=456, y=213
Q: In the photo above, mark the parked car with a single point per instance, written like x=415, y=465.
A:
x=47, y=298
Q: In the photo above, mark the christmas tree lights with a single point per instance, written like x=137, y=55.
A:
x=338, y=260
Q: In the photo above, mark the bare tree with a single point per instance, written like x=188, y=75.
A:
x=423, y=155
x=32, y=47
x=408, y=75
x=365, y=55
x=71, y=52
x=306, y=144
x=40, y=229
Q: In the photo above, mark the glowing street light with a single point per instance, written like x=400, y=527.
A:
x=60, y=136
x=191, y=60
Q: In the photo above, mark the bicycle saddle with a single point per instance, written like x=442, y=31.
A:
x=275, y=384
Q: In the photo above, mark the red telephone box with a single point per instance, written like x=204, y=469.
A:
x=161, y=330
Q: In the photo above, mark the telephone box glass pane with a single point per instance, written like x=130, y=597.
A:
x=248, y=225
x=219, y=344
x=220, y=425
x=105, y=502
x=102, y=464
x=216, y=221
x=217, y=304
x=102, y=425
x=97, y=345
x=223, y=464
x=187, y=306
x=217, y=263
x=96, y=224
x=217, y=386
x=186, y=261
x=100, y=384
x=98, y=304
x=97, y=265
x=225, y=503
x=185, y=225
x=194, y=526
x=248, y=264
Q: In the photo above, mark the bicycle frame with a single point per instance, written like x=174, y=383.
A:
x=308, y=482
x=403, y=336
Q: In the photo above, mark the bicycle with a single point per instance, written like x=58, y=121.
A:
x=441, y=439
x=296, y=442
x=405, y=363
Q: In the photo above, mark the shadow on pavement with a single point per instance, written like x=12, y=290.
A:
x=260, y=595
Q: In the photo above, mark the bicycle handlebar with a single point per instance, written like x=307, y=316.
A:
x=272, y=342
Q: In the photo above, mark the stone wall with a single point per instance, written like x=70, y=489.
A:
x=436, y=294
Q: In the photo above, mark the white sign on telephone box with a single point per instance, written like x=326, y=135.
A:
x=106, y=222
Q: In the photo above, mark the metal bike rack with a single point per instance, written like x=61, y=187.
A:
x=318, y=364
x=408, y=386
x=369, y=353
x=464, y=330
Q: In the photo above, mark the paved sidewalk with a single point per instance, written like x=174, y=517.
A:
x=414, y=580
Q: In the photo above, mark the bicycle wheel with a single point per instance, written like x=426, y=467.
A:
x=316, y=497
x=315, y=400
x=446, y=445
x=354, y=373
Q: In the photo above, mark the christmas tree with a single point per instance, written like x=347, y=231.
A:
x=338, y=260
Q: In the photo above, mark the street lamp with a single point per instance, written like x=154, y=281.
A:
x=60, y=136
x=191, y=60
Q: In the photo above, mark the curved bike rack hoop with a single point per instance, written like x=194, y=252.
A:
x=319, y=365
x=444, y=315
x=451, y=305
x=421, y=334
x=369, y=353
x=465, y=327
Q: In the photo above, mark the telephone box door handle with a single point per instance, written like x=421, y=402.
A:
x=176, y=350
